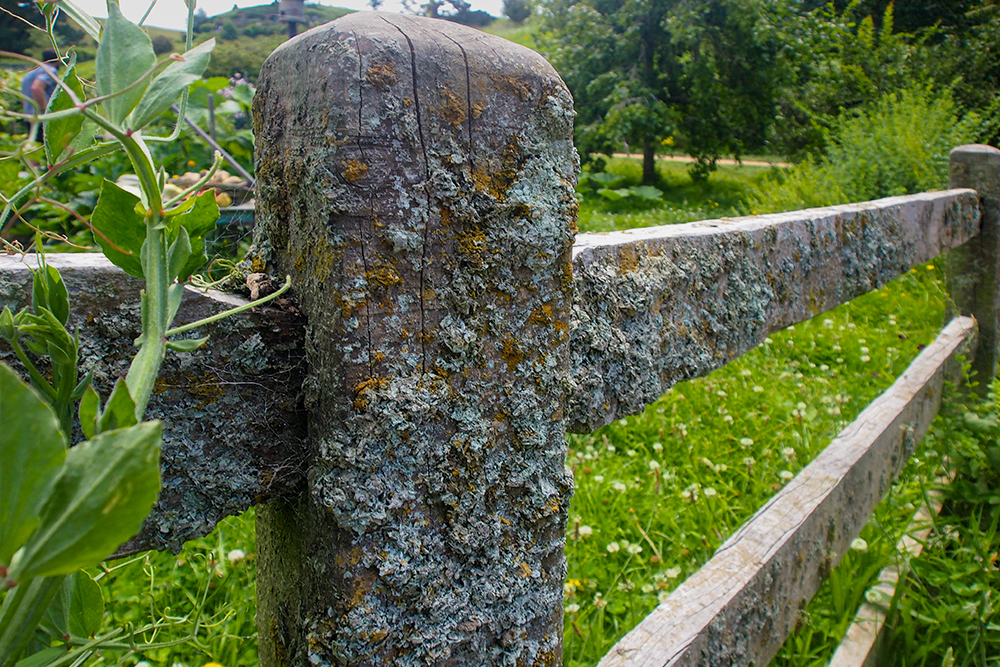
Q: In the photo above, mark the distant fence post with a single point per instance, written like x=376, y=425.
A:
x=416, y=179
x=974, y=268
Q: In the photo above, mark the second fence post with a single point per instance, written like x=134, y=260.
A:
x=974, y=268
x=415, y=177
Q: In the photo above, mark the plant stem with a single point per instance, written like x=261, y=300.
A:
x=21, y=614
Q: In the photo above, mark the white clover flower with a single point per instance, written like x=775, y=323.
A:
x=833, y=411
x=865, y=358
x=746, y=442
x=824, y=367
x=836, y=348
x=859, y=544
x=827, y=324
x=662, y=596
x=629, y=452
x=618, y=486
x=613, y=548
x=236, y=555
x=710, y=492
x=746, y=372
x=648, y=588
x=599, y=601
x=728, y=419
x=682, y=430
x=722, y=467
x=585, y=531
x=673, y=573
x=572, y=608
x=865, y=350
x=749, y=461
x=786, y=475
x=657, y=446
x=790, y=343
x=768, y=341
x=757, y=388
x=721, y=393
x=634, y=549
x=862, y=341
x=787, y=453
x=654, y=464
x=801, y=406
x=623, y=422
x=598, y=478
x=873, y=596
x=611, y=448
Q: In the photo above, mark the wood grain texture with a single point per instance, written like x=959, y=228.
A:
x=656, y=306
x=233, y=424
x=739, y=607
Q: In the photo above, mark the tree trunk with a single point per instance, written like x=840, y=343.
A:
x=648, y=162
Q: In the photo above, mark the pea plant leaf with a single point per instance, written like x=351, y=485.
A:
x=107, y=488
x=119, y=411
x=77, y=608
x=60, y=133
x=166, y=87
x=124, y=56
x=198, y=219
x=121, y=231
x=32, y=449
x=49, y=291
x=90, y=407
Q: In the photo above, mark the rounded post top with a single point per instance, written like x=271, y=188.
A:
x=976, y=166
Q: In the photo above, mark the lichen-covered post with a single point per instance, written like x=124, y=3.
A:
x=415, y=177
x=974, y=268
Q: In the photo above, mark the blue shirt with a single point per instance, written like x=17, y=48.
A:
x=46, y=75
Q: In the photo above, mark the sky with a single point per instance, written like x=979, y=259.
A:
x=173, y=13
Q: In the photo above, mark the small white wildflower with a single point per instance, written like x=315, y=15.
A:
x=710, y=492
x=801, y=406
x=722, y=467
x=585, y=531
x=572, y=608
x=746, y=372
x=654, y=465
x=634, y=549
x=827, y=324
x=598, y=478
x=611, y=448
x=623, y=422
x=657, y=446
x=685, y=494
x=728, y=419
x=824, y=367
x=599, y=601
x=629, y=452
x=873, y=596
x=786, y=475
x=862, y=341
x=673, y=573
x=746, y=442
x=613, y=548
x=648, y=588
x=236, y=555
x=859, y=544
x=682, y=430
x=749, y=461
x=790, y=343
x=662, y=596
x=836, y=348
x=865, y=358
x=618, y=486
x=757, y=388
x=721, y=394
x=865, y=350
x=768, y=341
x=787, y=453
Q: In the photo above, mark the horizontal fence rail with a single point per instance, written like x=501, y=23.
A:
x=739, y=607
x=656, y=306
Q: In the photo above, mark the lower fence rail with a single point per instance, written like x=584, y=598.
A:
x=739, y=608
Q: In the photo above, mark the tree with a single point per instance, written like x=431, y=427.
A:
x=15, y=33
x=162, y=44
x=516, y=10
x=645, y=70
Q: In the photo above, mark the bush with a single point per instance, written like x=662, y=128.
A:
x=897, y=145
x=162, y=44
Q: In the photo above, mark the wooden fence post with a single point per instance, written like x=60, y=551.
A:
x=416, y=179
x=974, y=268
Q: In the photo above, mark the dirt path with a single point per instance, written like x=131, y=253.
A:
x=727, y=161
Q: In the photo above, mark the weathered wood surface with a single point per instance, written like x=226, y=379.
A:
x=974, y=268
x=862, y=643
x=739, y=608
x=415, y=177
x=234, y=429
x=656, y=306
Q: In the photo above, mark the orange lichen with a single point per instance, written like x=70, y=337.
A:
x=511, y=353
x=355, y=170
x=382, y=75
x=453, y=109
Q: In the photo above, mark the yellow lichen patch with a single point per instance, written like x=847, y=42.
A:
x=206, y=388
x=524, y=570
x=355, y=170
x=477, y=110
x=497, y=181
x=257, y=265
x=542, y=316
x=382, y=75
x=511, y=353
x=453, y=109
x=472, y=244
x=628, y=259
x=382, y=276
x=360, y=402
x=511, y=85
x=566, y=276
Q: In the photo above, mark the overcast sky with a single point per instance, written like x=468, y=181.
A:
x=173, y=13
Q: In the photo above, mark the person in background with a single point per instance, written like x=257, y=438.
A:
x=39, y=84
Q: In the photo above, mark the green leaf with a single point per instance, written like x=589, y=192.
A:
x=90, y=407
x=179, y=254
x=42, y=658
x=60, y=131
x=647, y=192
x=119, y=225
x=124, y=56
x=614, y=195
x=7, y=329
x=198, y=220
x=175, y=294
x=82, y=18
x=119, y=411
x=187, y=344
x=32, y=449
x=606, y=179
x=77, y=608
x=166, y=87
x=108, y=486
x=49, y=291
